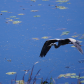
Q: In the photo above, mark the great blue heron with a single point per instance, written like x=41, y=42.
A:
x=47, y=45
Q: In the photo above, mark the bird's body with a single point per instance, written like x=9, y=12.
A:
x=47, y=45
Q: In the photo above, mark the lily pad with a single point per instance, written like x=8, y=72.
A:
x=33, y=0
x=65, y=33
x=45, y=37
x=61, y=75
x=68, y=74
x=73, y=76
x=16, y=18
x=73, y=73
x=73, y=46
x=12, y=16
x=35, y=38
x=62, y=0
x=82, y=81
x=4, y=11
x=20, y=82
x=10, y=73
x=61, y=7
x=34, y=10
x=10, y=20
x=9, y=60
x=45, y=0
x=61, y=29
x=16, y=22
x=82, y=77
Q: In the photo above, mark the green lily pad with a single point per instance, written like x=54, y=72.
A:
x=68, y=74
x=73, y=76
x=81, y=77
x=12, y=16
x=62, y=0
x=61, y=7
x=33, y=0
x=82, y=81
x=19, y=81
x=4, y=11
x=34, y=10
x=45, y=37
x=16, y=22
x=61, y=75
x=73, y=73
x=9, y=60
x=10, y=73
x=45, y=0
x=65, y=33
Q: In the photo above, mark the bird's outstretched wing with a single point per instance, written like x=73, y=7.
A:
x=77, y=45
x=46, y=47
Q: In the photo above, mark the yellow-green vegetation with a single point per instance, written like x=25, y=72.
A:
x=61, y=7
x=71, y=75
x=12, y=16
x=4, y=11
x=65, y=33
x=82, y=81
x=37, y=16
x=19, y=81
x=62, y=0
x=16, y=22
x=73, y=46
x=10, y=73
x=10, y=20
x=9, y=60
x=34, y=10
x=33, y=0
x=45, y=37
x=45, y=0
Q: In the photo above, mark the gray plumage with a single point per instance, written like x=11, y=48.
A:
x=47, y=45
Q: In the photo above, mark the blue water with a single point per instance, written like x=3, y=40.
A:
x=16, y=41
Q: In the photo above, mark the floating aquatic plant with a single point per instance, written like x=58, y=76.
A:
x=62, y=0
x=65, y=33
x=10, y=73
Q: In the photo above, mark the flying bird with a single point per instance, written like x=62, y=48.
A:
x=47, y=45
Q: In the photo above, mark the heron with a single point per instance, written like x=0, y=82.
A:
x=49, y=43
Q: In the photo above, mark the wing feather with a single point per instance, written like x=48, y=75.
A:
x=77, y=45
x=46, y=47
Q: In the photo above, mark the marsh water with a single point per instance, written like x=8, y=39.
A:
x=24, y=27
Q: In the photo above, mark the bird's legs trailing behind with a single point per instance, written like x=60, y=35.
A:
x=62, y=43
